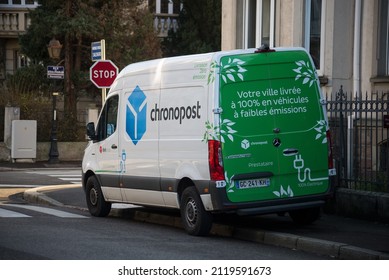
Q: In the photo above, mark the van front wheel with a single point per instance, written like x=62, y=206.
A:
x=196, y=220
x=97, y=205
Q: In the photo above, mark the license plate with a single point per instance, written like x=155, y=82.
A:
x=253, y=183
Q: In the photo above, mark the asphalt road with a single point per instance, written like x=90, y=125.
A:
x=328, y=232
x=74, y=235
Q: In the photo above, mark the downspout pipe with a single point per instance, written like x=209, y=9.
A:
x=357, y=50
x=356, y=87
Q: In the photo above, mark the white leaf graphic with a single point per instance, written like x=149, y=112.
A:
x=297, y=70
x=304, y=71
x=290, y=192
x=241, y=69
x=231, y=77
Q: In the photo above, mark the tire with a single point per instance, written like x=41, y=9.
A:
x=305, y=216
x=97, y=205
x=195, y=219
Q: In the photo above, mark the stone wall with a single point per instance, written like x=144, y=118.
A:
x=68, y=151
x=373, y=206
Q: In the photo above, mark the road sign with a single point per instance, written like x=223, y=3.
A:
x=103, y=73
x=96, y=50
x=55, y=72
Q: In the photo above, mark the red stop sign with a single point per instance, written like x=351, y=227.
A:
x=103, y=73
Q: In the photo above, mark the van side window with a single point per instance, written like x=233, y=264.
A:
x=108, y=119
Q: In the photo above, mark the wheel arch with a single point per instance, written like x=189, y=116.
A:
x=182, y=185
x=202, y=188
x=86, y=176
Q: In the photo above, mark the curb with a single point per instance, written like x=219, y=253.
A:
x=321, y=247
x=35, y=195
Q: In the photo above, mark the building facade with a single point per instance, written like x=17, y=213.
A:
x=14, y=21
x=348, y=40
x=165, y=15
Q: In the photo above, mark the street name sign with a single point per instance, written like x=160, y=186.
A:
x=96, y=51
x=55, y=72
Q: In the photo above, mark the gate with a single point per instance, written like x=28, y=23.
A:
x=360, y=133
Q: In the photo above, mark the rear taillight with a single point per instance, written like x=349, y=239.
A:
x=216, y=169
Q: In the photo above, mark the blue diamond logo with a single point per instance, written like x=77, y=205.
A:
x=136, y=115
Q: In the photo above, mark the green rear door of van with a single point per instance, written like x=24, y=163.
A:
x=272, y=126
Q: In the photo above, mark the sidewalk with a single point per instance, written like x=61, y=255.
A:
x=332, y=236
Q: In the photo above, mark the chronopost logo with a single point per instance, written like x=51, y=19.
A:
x=245, y=144
x=136, y=115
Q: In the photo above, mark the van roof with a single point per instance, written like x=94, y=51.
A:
x=153, y=66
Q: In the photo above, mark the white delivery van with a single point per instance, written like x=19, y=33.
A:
x=240, y=131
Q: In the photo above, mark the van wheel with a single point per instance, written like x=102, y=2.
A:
x=196, y=220
x=305, y=216
x=97, y=205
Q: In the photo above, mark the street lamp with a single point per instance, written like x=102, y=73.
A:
x=54, y=49
x=53, y=155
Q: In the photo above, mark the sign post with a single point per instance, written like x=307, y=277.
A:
x=98, y=54
x=56, y=73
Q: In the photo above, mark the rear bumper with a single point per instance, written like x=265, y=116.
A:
x=280, y=208
x=222, y=204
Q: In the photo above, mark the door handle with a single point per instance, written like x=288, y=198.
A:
x=114, y=146
x=290, y=152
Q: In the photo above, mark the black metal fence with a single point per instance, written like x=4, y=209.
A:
x=360, y=133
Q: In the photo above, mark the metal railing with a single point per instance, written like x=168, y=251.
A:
x=14, y=19
x=163, y=23
x=360, y=134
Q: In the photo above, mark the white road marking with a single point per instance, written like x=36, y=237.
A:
x=45, y=210
x=73, y=176
x=4, y=213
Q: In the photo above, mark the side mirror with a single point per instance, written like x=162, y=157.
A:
x=90, y=131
